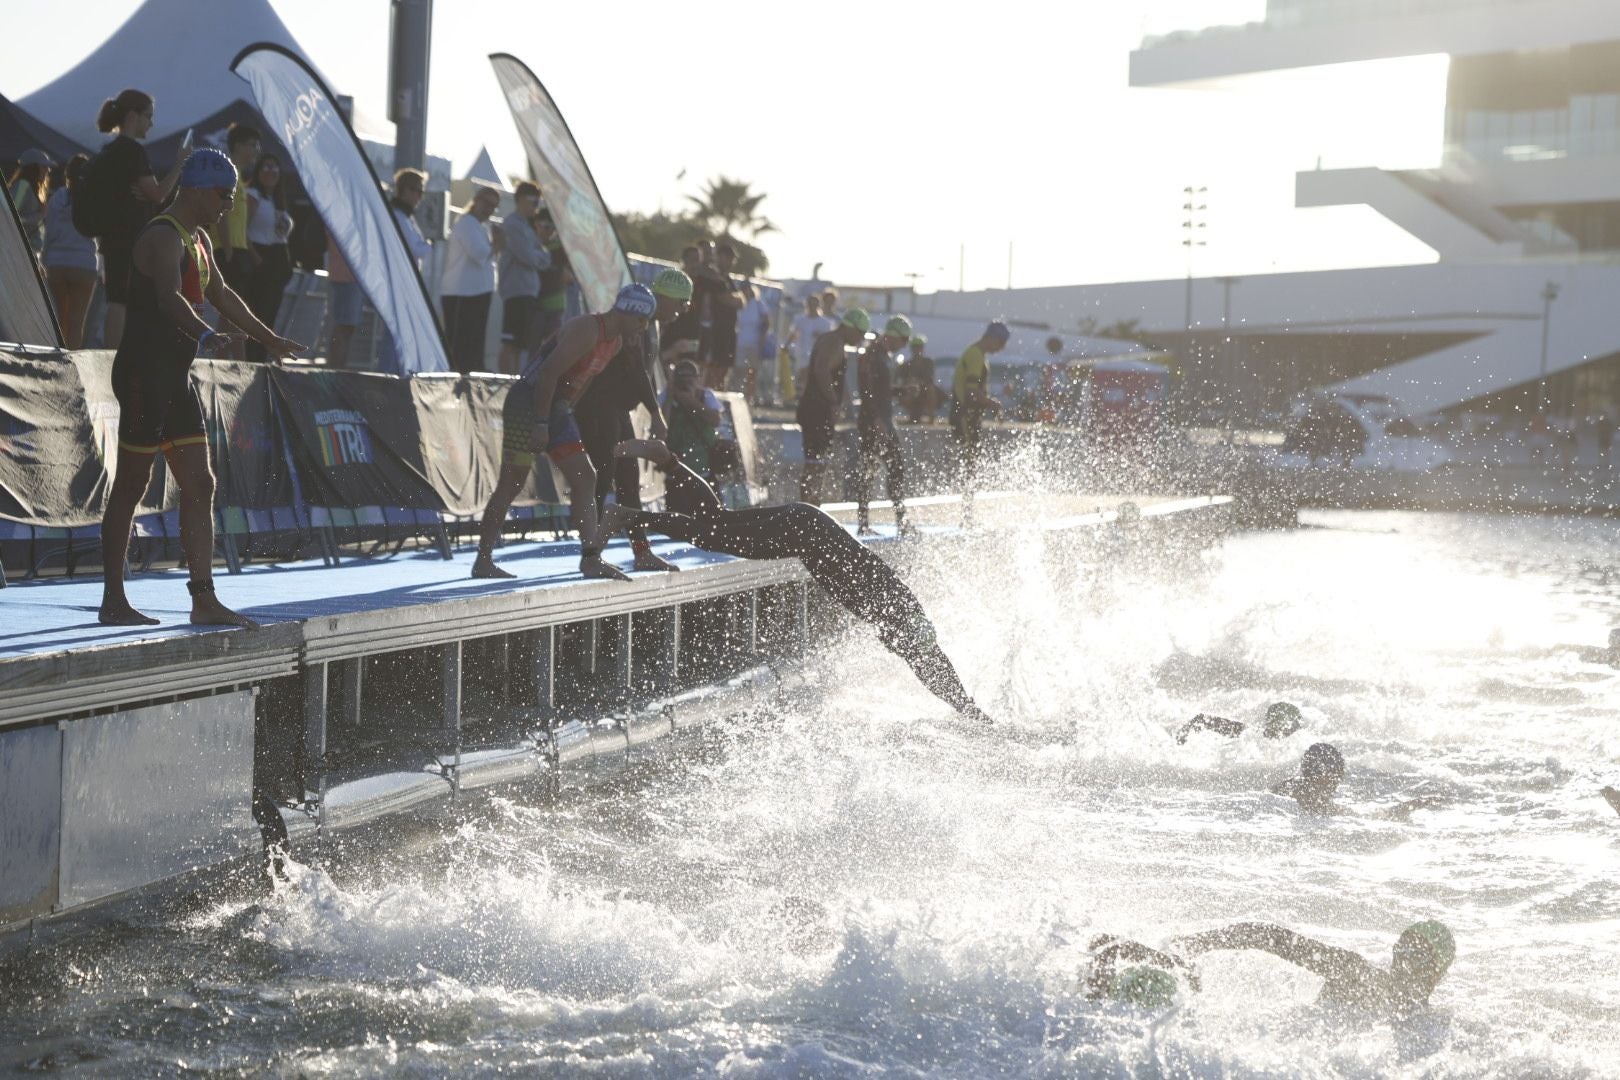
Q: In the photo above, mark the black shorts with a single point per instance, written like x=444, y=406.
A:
x=158, y=407
x=819, y=426
x=722, y=351
x=117, y=255
x=239, y=271
x=518, y=323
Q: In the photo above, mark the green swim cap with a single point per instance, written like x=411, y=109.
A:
x=859, y=319
x=919, y=341
x=1441, y=944
x=899, y=326
x=1150, y=987
x=674, y=284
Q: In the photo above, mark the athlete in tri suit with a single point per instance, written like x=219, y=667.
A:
x=172, y=274
x=603, y=411
x=823, y=399
x=970, y=400
x=539, y=416
x=843, y=566
x=880, y=439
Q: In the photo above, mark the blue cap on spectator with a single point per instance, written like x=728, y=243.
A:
x=208, y=168
x=636, y=300
x=997, y=331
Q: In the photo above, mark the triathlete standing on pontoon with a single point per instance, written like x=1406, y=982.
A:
x=839, y=563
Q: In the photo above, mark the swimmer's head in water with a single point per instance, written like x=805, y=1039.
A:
x=1423, y=954
x=1149, y=987
x=1322, y=763
x=1282, y=720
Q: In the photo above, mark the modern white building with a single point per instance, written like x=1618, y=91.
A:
x=1523, y=212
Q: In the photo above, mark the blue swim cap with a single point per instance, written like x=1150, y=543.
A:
x=636, y=300
x=997, y=331
x=208, y=168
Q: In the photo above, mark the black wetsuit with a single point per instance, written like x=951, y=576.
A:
x=880, y=439
x=817, y=415
x=843, y=566
x=603, y=414
x=151, y=372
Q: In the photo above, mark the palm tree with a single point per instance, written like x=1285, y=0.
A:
x=730, y=206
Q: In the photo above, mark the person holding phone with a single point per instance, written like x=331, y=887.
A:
x=693, y=412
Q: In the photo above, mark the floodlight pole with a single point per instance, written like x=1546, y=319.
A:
x=410, y=46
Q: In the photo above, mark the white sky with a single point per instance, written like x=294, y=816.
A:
x=889, y=135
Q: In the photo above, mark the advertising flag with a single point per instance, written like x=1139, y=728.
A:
x=570, y=191
x=349, y=198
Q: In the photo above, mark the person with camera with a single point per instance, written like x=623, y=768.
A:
x=694, y=419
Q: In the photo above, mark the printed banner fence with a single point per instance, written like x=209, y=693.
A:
x=279, y=437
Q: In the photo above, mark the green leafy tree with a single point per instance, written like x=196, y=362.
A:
x=731, y=208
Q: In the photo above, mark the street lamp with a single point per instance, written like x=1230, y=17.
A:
x=1195, y=209
x=1229, y=368
x=1549, y=293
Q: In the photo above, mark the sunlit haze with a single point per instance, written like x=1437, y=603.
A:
x=893, y=141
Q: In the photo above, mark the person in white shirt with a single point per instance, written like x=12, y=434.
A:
x=752, y=322
x=409, y=187
x=469, y=281
x=806, y=328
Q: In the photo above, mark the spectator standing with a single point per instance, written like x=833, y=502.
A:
x=523, y=259
x=29, y=185
x=970, y=401
x=706, y=281
x=231, y=244
x=725, y=302
x=693, y=412
x=469, y=280
x=72, y=267
x=807, y=327
x=121, y=195
x=758, y=359
x=346, y=305
x=409, y=187
x=268, y=227
x=829, y=304
x=554, y=280
x=880, y=439
x=684, y=334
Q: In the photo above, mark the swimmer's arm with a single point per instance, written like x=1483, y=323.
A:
x=1319, y=959
x=574, y=343
x=1402, y=811
x=1218, y=724
x=159, y=254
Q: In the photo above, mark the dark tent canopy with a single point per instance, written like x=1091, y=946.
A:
x=19, y=131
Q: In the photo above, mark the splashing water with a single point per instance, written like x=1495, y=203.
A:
x=848, y=882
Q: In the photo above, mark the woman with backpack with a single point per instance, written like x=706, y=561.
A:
x=122, y=193
x=72, y=267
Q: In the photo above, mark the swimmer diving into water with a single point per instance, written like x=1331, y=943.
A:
x=849, y=572
x=1420, y=959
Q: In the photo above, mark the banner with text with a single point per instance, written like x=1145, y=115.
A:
x=556, y=164
x=349, y=198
